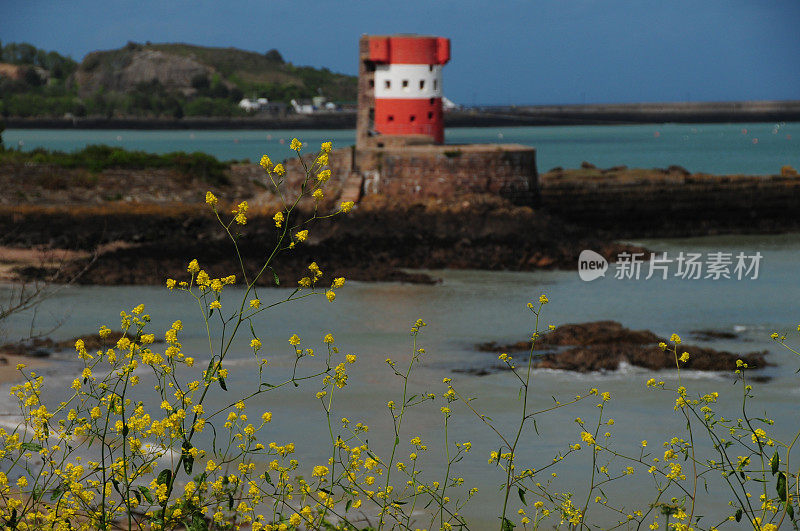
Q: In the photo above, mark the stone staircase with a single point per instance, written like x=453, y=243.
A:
x=351, y=191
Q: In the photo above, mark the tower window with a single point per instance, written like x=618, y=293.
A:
x=421, y=84
x=371, y=83
x=435, y=84
x=430, y=68
x=430, y=115
x=412, y=118
x=432, y=101
x=391, y=118
x=387, y=84
x=405, y=84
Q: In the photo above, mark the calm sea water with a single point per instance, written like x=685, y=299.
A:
x=468, y=307
x=758, y=148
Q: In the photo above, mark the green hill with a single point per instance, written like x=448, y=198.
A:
x=267, y=74
x=159, y=80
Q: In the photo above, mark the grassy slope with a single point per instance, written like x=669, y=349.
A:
x=249, y=70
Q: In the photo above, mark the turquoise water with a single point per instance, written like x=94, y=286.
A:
x=468, y=307
x=758, y=148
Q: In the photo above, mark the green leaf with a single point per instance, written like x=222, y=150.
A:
x=115, y=482
x=776, y=461
x=146, y=493
x=222, y=383
x=521, y=493
x=738, y=515
x=347, y=506
x=230, y=501
x=35, y=447
x=508, y=525
x=188, y=459
x=276, y=279
x=125, y=430
x=164, y=477
x=781, y=486
x=57, y=492
x=790, y=511
x=269, y=479
x=396, y=440
x=198, y=523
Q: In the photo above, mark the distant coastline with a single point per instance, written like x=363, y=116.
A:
x=596, y=114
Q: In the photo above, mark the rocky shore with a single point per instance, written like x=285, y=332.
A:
x=371, y=243
x=143, y=226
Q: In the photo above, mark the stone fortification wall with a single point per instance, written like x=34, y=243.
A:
x=419, y=172
x=673, y=202
x=446, y=172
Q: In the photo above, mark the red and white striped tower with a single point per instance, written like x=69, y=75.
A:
x=405, y=79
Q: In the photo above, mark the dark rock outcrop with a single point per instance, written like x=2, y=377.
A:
x=604, y=345
x=42, y=347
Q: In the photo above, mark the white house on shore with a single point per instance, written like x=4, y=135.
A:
x=254, y=105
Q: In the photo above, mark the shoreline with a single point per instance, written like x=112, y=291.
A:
x=146, y=236
x=9, y=374
x=490, y=116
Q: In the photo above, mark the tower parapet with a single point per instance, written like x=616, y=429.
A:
x=400, y=87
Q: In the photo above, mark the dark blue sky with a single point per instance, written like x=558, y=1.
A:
x=517, y=51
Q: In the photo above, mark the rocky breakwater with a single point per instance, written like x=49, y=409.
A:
x=671, y=202
x=605, y=345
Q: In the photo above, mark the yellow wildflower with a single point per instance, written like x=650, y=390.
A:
x=241, y=213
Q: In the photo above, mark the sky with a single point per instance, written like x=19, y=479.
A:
x=525, y=52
